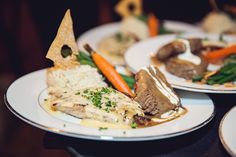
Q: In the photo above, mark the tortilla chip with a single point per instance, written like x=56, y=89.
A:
x=64, y=39
x=123, y=8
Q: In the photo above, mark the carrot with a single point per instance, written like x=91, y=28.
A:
x=109, y=72
x=221, y=53
x=153, y=25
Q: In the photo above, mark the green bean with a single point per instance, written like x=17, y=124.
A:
x=83, y=55
x=230, y=71
x=197, y=78
x=86, y=62
x=216, y=77
x=129, y=80
x=227, y=79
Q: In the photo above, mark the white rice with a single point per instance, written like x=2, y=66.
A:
x=71, y=80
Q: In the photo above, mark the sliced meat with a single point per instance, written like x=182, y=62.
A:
x=171, y=49
x=141, y=120
x=195, y=44
x=176, y=47
x=185, y=69
x=154, y=93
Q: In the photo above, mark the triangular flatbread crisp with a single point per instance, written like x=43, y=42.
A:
x=126, y=8
x=63, y=49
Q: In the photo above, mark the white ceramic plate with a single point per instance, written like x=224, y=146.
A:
x=24, y=96
x=138, y=56
x=227, y=131
x=95, y=35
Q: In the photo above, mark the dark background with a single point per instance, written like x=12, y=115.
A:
x=27, y=28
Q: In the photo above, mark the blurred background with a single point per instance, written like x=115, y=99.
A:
x=27, y=28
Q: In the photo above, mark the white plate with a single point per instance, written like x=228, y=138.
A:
x=227, y=131
x=23, y=96
x=95, y=35
x=138, y=56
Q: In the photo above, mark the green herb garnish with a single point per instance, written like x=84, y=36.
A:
x=102, y=128
x=78, y=93
x=133, y=125
x=197, y=78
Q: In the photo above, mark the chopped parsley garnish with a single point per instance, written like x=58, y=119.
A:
x=78, y=93
x=114, y=104
x=121, y=38
x=106, y=91
x=86, y=91
x=108, y=103
x=133, y=125
x=107, y=109
x=96, y=96
x=102, y=128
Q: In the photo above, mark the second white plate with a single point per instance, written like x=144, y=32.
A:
x=95, y=35
x=139, y=55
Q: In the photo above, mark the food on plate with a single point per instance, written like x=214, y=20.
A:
x=219, y=22
x=102, y=104
x=109, y=72
x=154, y=93
x=62, y=81
x=134, y=26
x=63, y=50
x=181, y=57
x=226, y=74
x=86, y=86
x=192, y=58
x=184, y=68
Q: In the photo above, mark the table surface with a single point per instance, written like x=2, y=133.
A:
x=202, y=142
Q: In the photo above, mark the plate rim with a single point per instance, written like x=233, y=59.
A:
x=107, y=138
x=228, y=149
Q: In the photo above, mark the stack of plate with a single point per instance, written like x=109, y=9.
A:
x=25, y=96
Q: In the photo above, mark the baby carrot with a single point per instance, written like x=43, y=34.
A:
x=153, y=25
x=221, y=53
x=109, y=72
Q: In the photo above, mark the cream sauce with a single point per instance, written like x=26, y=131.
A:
x=188, y=55
x=163, y=87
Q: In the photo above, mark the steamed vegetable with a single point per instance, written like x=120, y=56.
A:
x=109, y=72
x=153, y=25
x=226, y=74
x=221, y=53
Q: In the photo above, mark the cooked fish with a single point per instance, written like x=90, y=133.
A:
x=103, y=104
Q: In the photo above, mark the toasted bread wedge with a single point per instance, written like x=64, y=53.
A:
x=128, y=8
x=63, y=49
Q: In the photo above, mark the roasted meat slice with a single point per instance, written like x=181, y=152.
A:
x=176, y=47
x=185, y=69
x=154, y=93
